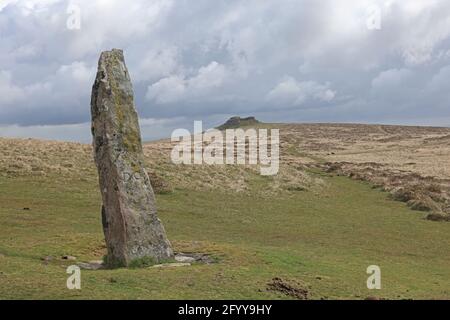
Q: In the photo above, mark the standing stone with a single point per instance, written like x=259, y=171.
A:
x=130, y=223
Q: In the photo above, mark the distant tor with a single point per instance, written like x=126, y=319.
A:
x=236, y=122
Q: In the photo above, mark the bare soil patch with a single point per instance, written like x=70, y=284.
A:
x=289, y=288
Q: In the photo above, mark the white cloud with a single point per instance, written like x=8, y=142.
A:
x=77, y=71
x=62, y=93
x=426, y=24
x=210, y=76
x=4, y=3
x=156, y=64
x=108, y=23
x=177, y=87
x=391, y=78
x=25, y=51
x=12, y=94
x=167, y=90
x=295, y=93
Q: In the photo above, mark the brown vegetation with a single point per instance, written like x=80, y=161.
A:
x=411, y=163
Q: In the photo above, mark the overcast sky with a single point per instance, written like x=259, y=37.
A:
x=279, y=60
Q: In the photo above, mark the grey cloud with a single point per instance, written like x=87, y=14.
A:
x=286, y=60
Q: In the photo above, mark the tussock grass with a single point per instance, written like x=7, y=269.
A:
x=303, y=226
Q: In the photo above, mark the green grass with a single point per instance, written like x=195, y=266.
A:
x=325, y=241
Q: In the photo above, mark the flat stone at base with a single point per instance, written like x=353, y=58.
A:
x=92, y=265
x=170, y=265
x=198, y=257
x=183, y=258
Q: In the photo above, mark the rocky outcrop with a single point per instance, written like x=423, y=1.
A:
x=130, y=223
x=236, y=122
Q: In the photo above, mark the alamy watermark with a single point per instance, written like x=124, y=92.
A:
x=374, y=280
x=74, y=20
x=373, y=17
x=74, y=280
x=235, y=146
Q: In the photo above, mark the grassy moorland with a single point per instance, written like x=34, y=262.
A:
x=319, y=236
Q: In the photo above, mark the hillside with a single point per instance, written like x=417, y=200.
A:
x=315, y=227
x=236, y=122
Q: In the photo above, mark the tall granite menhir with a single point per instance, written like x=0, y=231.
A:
x=130, y=223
